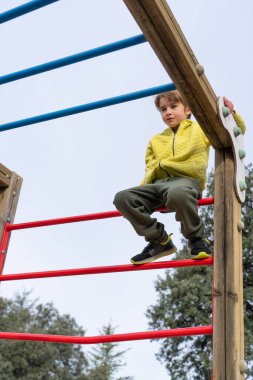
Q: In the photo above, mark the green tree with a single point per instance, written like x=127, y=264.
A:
x=26, y=360
x=247, y=212
x=105, y=359
x=184, y=299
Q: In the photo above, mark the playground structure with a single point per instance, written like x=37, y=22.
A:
x=167, y=40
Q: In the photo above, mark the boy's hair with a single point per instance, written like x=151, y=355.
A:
x=171, y=96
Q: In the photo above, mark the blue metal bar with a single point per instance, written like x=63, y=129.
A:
x=88, y=107
x=109, y=48
x=23, y=9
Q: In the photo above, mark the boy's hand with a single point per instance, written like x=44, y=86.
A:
x=229, y=104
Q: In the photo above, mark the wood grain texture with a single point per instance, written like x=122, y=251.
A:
x=219, y=290
x=234, y=276
x=5, y=175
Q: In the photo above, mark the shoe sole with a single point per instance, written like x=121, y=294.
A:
x=156, y=257
x=201, y=255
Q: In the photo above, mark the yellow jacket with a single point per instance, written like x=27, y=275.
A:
x=184, y=154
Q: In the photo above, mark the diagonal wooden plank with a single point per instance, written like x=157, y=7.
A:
x=162, y=31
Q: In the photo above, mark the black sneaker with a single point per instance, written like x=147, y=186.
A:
x=199, y=249
x=153, y=251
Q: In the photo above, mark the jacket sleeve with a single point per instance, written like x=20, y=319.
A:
x=149, y=155
x=205, y=139
x=207, y=142
x=148, y=160
x=240, y=122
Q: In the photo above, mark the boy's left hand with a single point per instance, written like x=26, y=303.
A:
x=229, y=104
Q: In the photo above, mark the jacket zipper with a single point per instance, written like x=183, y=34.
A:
x=173, y=148
x=173, y=152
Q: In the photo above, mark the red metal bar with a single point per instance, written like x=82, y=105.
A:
x=3, y=247
x=107, y=269
x=206, y=201
x=201, y=330
x=70, y=219
x=83, y=218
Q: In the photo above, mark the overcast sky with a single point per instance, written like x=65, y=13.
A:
x=75, y=165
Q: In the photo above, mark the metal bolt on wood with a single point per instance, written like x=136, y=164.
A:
x=200, y=69
x=243, y=366
x=240, y=226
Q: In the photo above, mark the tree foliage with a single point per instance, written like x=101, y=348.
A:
x=184, y=299
x=247, y=212
x=105, y=359
x=28, y=360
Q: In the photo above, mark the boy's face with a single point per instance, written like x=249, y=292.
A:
x=173, y=112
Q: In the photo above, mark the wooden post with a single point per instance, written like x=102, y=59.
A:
x=9, y=195
x=228, y=336
x=219, y=331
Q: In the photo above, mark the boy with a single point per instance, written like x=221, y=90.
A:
x=176, y=164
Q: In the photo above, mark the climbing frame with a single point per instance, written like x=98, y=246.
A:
x=162, y=31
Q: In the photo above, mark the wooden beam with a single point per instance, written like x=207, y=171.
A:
x=234, y=280
x=228, y=335
x=8, y=204
x=219, y=290
x=5, y=175
x=162, y=31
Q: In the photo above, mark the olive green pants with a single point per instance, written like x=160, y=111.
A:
x=179, y=194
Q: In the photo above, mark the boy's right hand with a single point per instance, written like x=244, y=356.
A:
x=229, y=104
